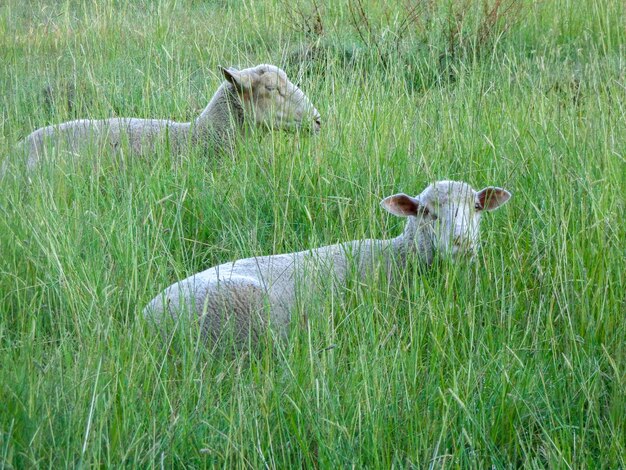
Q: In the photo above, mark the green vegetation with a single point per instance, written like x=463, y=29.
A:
x=517, y=359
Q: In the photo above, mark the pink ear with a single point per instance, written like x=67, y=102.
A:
x=492, y=197
x=402, y=205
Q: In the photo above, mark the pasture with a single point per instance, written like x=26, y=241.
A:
x=517, y=359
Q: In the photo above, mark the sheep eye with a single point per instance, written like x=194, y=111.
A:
x=477, y=206
x=270, y=88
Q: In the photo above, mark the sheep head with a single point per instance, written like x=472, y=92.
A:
x=270, y=97
x=449, y=212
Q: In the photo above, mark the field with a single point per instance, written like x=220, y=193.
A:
x=517, y=359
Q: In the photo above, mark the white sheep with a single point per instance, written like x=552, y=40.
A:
x=262, y=95
x=444, y=218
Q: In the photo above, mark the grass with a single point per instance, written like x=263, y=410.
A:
x=516, y=360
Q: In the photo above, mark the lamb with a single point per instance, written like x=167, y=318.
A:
x=444, y=218
x=262, y=95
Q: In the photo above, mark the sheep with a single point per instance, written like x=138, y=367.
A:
x=444, y=218
x=261, y=95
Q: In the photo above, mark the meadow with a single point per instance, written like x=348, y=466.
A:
x=517, y=359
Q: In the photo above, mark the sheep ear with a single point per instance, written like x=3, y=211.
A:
x=402, y=205
x=236, y=78
x=491, y=197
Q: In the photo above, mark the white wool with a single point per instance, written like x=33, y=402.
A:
x=444, y=217
x=261, y=95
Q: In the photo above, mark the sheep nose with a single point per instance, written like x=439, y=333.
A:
x=318, y=123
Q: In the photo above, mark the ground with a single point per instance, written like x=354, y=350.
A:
x=515, y=359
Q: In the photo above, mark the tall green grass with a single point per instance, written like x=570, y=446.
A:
x=517, y=359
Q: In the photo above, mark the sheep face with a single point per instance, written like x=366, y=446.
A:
x=272, y=100
x=449, y=213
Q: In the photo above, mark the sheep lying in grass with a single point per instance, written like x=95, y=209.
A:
x=262, y=95
x=445, y=218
